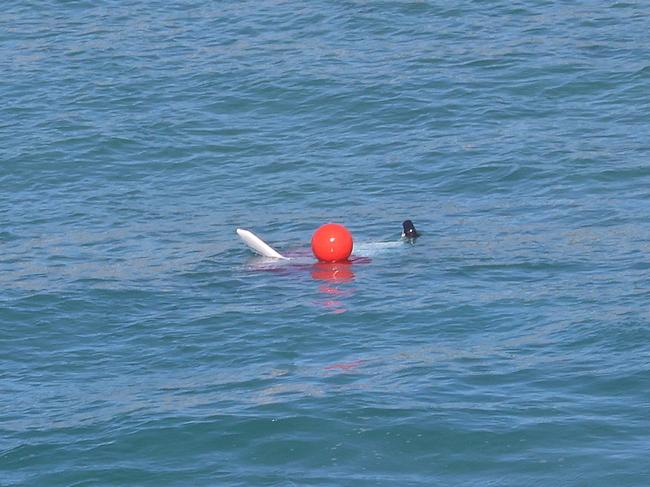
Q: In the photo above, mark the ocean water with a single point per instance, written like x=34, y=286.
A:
x=141, y=343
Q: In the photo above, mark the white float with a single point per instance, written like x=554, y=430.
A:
x=258, y=245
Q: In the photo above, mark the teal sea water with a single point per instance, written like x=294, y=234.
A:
x=141, y=343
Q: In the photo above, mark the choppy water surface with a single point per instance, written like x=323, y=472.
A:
x=143, y=344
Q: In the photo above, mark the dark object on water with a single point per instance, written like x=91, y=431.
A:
x=409, y=230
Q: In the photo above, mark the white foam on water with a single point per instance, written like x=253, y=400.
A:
x=372, y=249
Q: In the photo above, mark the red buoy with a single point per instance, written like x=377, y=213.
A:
x=332, y=243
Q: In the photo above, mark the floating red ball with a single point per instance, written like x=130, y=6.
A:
x=332, y=243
